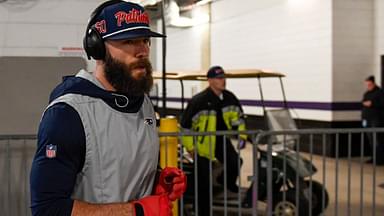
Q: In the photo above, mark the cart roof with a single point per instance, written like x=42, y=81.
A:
x=229, y=73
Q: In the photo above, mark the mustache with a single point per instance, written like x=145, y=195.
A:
x=119, y=75
x=141, y=63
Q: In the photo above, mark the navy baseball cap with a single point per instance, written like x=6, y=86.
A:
x=370, y=78
x=215, y=72
x=124, y=20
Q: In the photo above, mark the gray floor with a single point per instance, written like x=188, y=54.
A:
x=360, y=189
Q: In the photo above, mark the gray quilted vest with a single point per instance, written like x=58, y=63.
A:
x=121, y=149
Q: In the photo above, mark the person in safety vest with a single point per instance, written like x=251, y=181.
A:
x=98, y=146
x=214, y=109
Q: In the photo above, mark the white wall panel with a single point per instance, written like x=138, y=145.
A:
x=183, y=49
x=346, y=116
x=183, y=53
x=40, y=35
x=353, y=48
x=325, y=47
x=293, y=37
x=319, y=115
x=379, y=36
x=29, y=51
x=51, y=11
x=40, y=30
x=2, y=37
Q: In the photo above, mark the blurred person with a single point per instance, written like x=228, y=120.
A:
x=98, y=146
x=373, y=116
x=381, y=185
x=214, y=109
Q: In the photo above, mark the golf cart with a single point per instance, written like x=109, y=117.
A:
x=291, y=173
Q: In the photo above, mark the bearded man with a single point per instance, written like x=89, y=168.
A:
x=98, y=147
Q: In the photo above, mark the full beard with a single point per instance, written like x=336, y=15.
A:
x=120, y=76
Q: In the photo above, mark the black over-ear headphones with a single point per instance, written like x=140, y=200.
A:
x=93, y=43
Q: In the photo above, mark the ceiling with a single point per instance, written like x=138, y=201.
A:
x=184, y=5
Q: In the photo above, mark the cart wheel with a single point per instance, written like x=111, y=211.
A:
x=317, y=197
x=188, y=212
x=288, y=207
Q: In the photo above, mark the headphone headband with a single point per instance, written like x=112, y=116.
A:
x=98, y=10
x=93, y=43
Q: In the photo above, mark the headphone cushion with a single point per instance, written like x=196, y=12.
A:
x=94, y=46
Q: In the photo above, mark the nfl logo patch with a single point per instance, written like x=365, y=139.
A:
x=50, y=151
x=148, y=121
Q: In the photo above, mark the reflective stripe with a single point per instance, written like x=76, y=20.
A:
x=205, y=121
x=196, y=117
x=187, y=141
x=238, y=122
x=231, y=108
x=232, y=117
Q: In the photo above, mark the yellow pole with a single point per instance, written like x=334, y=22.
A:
x=168, y=148
x=168, y=145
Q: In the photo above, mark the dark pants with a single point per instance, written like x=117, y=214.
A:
x=231, y=164
x=378, y=140
x=204, y=172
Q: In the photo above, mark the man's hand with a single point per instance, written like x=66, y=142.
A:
x=172, y=182
x=158, y=205
x=367, y=103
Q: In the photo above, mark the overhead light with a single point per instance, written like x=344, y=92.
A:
x=196, y=4
x=181, y=22
x=200, y=16
x=146, y=2
x=173, y=18
x=203, y=2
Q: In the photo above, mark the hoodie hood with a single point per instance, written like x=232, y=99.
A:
x=84, y=83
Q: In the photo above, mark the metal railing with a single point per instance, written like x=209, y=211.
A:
x=343, y=184
x=16, y=154
x=312, y=172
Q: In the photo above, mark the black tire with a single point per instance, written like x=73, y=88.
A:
x=289, y=206
x=317, y=197
x=188, y=212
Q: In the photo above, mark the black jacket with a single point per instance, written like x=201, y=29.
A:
x=376, y=111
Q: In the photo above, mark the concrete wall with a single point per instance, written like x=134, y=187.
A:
x=378, y=36
x=325, y=47
x=31, y=61
x=25, y=86
x=183, y=53
x=43, y=28
x=293, y=37
x=353, y=51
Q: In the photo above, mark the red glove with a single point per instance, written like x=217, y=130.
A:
x=172, y=182
x=155, y=206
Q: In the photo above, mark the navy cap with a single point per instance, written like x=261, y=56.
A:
x=124, y=20
x=370, y=78
x=215, y=72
